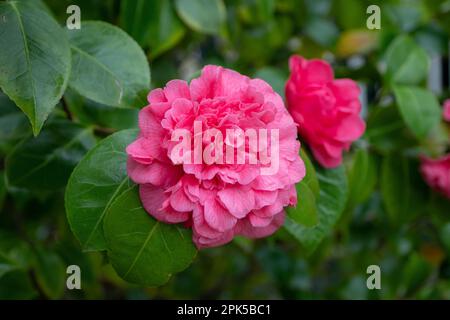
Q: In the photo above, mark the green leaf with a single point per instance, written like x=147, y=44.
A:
x=97, y=180
x=141, y=249
x=34, y=60
x=15, y=254
x=153, y=23
x=50, y=273
x=45, y=162
x=419, y=108
x=305, y=213
x=362, y=177
x=415, y=273
x=407, y=63
x=108, y=66
x=386, y=131
x=13, y=124
x=323, y=31
x=205, y=16
x=330, y=204
x=310, y=178
x=16, y=285
x=89, y=112
x=399, y=187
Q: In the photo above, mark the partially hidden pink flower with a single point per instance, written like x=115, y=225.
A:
x=446, y=110
x=325, y=109
x=436, y=173
x=217, y=200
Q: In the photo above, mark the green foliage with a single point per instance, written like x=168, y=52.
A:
x=45, y=162
x=399, y=181
x=65, y=197
x=193, y=13
x=34, y=61
x=142, y=249
x=101, y=70
x=419, y=108
x=330, y=204
x=96, y=182
x=407, y=63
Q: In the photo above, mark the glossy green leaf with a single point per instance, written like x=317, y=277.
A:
x=50, y=273
x=108, y=66
x=362, y=177
x=400, y=182
x=97, y=180
x=205, y=16
x=407, y=62
x=419, y=108
x=45, y=162
x=34, y=59
x=141, y=249
x=330, y=204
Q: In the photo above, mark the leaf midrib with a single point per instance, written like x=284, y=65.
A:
x=138, y=255
x=107, y=206
x=27, y=56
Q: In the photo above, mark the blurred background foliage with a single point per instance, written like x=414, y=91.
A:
x=391, y=218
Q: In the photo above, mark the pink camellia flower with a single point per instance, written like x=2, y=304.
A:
x=326, y=110
x=225, y=197
x=446, y=111
x=436, y=173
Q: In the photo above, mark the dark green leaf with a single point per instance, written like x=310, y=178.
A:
x=89, y=112
x=142, y=249
x=2, y=189
x=399, y=187
x=16, y=285
x=15, y=254
x=97, y=180
x=34, y=60
x=13, y=124
x=386, y=131
x=50, y=273
x=46, y=162
x=330, y=204
x=108, y=66
x=153, y=23
x=419, y=108
x=362, y=177
x=205, y=16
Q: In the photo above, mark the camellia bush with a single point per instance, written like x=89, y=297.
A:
x=350, y=96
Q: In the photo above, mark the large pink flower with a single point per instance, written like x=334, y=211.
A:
x=218, y=200
x=436, y=173
x=326, y=110
x=446, y=110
